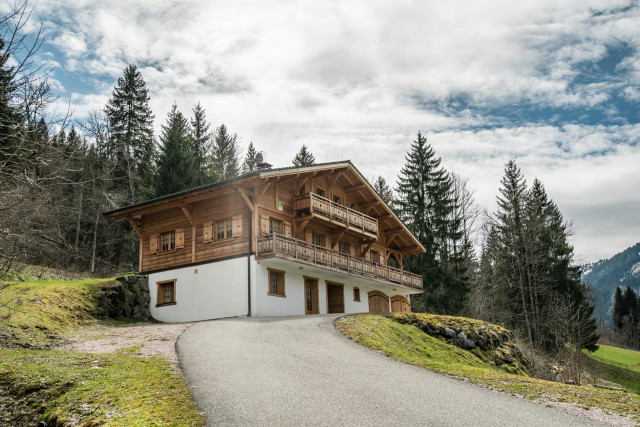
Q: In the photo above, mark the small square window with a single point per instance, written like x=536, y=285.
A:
x=356, y=294
x=166, y=293
x=275, y=226
x=276, y=283
x=336, y=199
x=320, y=192
x=224, y=229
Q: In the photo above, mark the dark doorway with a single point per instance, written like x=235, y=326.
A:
x=311, y=296
x=335, y=298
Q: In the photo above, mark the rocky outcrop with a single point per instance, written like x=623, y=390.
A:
x=491, y=343
x=127, y=297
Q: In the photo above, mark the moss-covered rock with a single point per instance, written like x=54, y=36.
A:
x=490, y=343
x=127, y=297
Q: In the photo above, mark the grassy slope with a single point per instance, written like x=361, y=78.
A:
x=409, y=344
x=619, y=366
x=109, y=389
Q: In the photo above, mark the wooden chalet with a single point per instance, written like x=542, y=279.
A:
x=297, y=240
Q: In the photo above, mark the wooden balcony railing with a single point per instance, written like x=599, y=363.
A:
x=279, y=245
x=332, y=211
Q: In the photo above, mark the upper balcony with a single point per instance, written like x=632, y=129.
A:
x=298, y=250
x=336, y=214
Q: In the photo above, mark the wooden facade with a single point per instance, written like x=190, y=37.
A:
x=328, y=209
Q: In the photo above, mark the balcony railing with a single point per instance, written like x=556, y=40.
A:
x=336, y=212
x=279, y=245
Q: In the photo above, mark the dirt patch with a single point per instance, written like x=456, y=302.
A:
x=152, y=339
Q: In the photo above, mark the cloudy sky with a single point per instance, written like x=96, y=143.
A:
x=554, y=85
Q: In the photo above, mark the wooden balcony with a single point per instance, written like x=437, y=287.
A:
x=340, y=215
x=290, y=248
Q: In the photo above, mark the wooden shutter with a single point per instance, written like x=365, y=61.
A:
x=180, y=238
x=381, y=257
x=160, y=294
x=308, y=236
x=287, y=228
x=153, y=243
x=237, y=225
x=264, y=224
x=207, y=232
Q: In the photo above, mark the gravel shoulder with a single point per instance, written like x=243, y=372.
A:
x=151, y=338
x=302, y=371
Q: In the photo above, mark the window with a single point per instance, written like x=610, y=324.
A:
x=320, y=192
x=317, y=238
x=224, y=229
x=276, y=283
x=336, y=199
x=166, y=293
x=345, y=248
x=373, y=256
x=168, y=241
x=275, y=226
x=302, y=190
x=356, y=294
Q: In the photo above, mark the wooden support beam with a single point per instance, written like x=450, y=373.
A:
x=188, y=212
x=384, y=217
x=300, y=226
x=135, y=227
x=353, y=188
x=297, y=188
x=366, y=248
x=334, y=179
x=336, y=236
x=369, y=204
x=394, y=231
x=366, y=211
x=259, y=192
x=390, y=239
x=246, y=198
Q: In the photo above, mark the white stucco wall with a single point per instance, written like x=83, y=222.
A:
x=294, y=303
x=206, y=291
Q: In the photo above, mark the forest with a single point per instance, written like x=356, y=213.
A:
x=58, y=174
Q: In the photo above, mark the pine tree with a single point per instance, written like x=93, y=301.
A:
x=249, y=164
x=175, y=164
x=304, y=158
x=225, y=154
x=618, y=309
x=131, y=142
x=383, y=190
x=426, y=205
x=200, y=145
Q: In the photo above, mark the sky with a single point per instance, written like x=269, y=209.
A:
x=553, y=85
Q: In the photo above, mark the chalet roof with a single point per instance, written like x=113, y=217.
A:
x=121, y=213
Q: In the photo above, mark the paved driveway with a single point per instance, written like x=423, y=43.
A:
x=301, y=371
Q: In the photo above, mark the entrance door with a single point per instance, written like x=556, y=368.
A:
x=311, y=296
x=400, y=304
x=335, y=298
x=378, y=302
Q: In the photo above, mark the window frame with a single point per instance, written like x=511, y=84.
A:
x=320, y=190
x=171, y=244
x=272, y=221
x=374, y=256
x=356, y=294
x=162, y=284
x=227, y=232
x=279, y=274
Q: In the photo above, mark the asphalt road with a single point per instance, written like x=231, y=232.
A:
x=301, y=371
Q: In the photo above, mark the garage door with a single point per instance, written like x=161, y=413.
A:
x=400, y=304
x=378, y=302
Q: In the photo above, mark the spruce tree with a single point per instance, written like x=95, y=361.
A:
x=426, y=205
x=200, y=145
x=249, y=164
x=226, y=164
x=131, y=142
x=383, y=190
x=304, y=158
x=175, y=164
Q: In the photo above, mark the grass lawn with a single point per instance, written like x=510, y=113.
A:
x=69, y=388
x=409, y=344
x=619, y=366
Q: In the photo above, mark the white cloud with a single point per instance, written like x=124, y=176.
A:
x=356, y=80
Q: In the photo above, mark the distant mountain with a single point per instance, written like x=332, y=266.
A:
x=606, y=275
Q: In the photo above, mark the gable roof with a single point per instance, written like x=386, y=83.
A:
x=265, y=175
